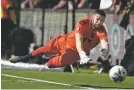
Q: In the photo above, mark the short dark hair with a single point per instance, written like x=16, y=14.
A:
x=100, y=12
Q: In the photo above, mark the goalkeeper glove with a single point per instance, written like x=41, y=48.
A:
x=84, y=58
x=105, y=53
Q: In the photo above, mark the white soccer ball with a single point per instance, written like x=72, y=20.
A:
x=117, y=73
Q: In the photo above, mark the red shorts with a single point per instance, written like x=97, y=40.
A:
x=57, y=46
x=66, y=58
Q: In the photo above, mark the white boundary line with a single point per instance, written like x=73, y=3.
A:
x=50, y=82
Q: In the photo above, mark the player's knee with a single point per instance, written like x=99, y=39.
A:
x=54, y=63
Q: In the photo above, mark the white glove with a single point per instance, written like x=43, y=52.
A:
x=84, y=58
x=105, y=53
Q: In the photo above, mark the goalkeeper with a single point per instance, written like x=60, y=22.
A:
x=76, y=45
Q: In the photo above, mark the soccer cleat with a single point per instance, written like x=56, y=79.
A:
x=16, y=59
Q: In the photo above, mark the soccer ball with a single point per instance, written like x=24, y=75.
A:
x=117, y=73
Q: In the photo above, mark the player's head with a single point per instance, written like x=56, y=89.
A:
x=98, y=18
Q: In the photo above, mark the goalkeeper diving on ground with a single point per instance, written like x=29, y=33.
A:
x=67, y=49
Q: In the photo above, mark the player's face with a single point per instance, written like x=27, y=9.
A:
x=97, y=21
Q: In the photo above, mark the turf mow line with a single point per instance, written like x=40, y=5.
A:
x=45, y=81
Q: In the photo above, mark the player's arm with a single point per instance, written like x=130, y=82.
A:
x=105, y=49
x=79, y=45
x=79, y=35
x=104, y=44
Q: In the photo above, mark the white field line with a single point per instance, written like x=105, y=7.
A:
x=50, y=82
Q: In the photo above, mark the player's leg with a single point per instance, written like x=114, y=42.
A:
x=50, y=48
x=67, y=57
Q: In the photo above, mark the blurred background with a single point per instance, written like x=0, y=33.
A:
x=29, y=24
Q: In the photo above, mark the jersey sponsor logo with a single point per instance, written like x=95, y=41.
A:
x=86, y=40
x=92, y=35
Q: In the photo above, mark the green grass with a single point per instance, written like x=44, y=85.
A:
x=84, y=78
x=13, y=83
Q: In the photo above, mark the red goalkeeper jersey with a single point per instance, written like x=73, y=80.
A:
x=91, y=37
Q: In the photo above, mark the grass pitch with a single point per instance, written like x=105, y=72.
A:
x=85, y=78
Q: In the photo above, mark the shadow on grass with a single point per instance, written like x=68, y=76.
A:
x=103, y=87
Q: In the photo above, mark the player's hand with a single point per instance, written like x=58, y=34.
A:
x=16, y=59
x=105, y=53
x=84, y=58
